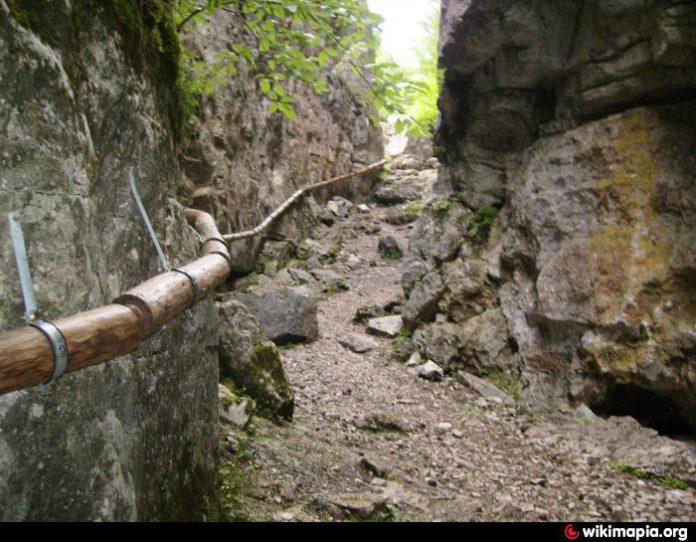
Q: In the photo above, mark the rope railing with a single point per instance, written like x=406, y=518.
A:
x=27, y=356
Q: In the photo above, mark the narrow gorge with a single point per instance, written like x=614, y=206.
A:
x=496, y=324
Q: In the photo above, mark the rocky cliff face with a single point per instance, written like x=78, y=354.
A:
x=244, y=162
x=84, y=96
x=559, y=248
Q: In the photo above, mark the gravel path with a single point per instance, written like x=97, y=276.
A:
x=372, y=440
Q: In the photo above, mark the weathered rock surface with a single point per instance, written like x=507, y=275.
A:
x=388, y=247
x=409, y=180
x=485, y=389
x=249, y=161
x=253, y=363
x=431, y=371
x=557, y=242
x=358, y=343
x=301, y=276
x=386, y=326
x=84, y=96
x=284, y=314
x=339, y=206
x=234, y=410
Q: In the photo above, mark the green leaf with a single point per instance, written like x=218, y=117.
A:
x=296, y=39
x=287, y=110
x=279, y=89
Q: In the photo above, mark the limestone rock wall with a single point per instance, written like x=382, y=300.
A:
x=244, y=161
x=559, y=246
x=84, y=96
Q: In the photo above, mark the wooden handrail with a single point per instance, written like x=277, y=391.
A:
x=295, y=196
x=105, y=333
x=96, y=336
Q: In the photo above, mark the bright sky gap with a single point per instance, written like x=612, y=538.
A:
x=402, y=30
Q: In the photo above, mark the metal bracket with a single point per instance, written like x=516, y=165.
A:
x=160, y=253
x=194, y=284
x=31, y=312
x=217, y=240
x=32, y=316
x=60, y=350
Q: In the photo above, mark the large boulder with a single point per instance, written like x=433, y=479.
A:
x=285, y=314
x=253, y=363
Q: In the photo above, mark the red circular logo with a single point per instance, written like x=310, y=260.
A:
x=570, y=533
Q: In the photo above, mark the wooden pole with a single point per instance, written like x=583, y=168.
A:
x=294, y=197
x=96, y=336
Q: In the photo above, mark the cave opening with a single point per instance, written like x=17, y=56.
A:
x=650, y=409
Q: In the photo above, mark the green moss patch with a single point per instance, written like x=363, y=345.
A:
x=668, y=481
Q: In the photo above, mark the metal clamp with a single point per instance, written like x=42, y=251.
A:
x=59, y=346
x=225, y=257
x=160, y=253
x=139, y=202
x=194, y=284
x=32, y=316
x=217, y=240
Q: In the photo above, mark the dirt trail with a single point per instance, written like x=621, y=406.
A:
x=370, y=440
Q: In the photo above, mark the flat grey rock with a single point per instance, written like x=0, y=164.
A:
x=285, y=314
x=385, y=326
x=483, y=387
x=300, y=275
x=431, y=371
x=358, y=343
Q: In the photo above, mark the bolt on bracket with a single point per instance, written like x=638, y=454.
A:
x=32, y=315
x=164, y=263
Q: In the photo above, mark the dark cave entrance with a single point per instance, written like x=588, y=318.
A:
x=650, y=409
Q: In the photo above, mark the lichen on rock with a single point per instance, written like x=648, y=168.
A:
x=586, y=262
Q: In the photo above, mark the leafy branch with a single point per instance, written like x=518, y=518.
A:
x=298, y=40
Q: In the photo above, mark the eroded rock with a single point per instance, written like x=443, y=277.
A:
x=483, y=387
x=579, y=279
x=386, y=326
x=388, y=247
x=358, y=343
x=253, y=363
x=431, y=371
x=285, y=314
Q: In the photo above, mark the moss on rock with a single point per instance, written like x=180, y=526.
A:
x=269, y=384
